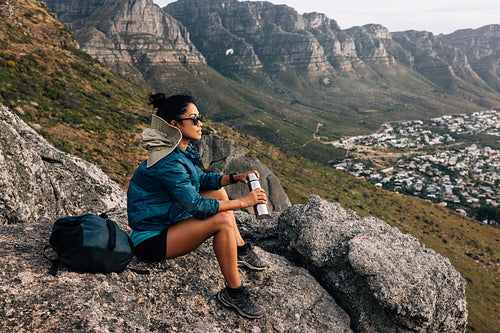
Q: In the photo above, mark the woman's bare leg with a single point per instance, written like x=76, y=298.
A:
x=187, y=235
x=222, y=195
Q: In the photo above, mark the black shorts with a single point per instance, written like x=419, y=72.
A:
x=154, y=248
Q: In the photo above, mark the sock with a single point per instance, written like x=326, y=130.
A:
x=233, y=292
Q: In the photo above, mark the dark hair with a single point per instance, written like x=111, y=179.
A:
x=170, y=108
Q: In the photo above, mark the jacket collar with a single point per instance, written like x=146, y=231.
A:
x=159, y=140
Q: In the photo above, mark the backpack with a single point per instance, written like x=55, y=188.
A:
x=91, y=243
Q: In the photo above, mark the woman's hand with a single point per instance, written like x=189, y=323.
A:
x=242, y=177
x=257, y=196
x=238, y=178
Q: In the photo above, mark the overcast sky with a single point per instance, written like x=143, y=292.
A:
x=437, y=16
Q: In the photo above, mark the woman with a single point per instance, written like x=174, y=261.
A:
x=173, y=207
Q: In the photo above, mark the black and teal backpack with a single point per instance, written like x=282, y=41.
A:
x=91, y=243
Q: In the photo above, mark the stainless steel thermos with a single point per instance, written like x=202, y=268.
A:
x=259, y=209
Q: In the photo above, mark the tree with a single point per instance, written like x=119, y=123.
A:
x=488, y=212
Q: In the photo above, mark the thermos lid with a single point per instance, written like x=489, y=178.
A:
x=251, y=177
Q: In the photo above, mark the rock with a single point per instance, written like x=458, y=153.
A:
x=220, y=155
x=39, y=181
x=177, y=296
x=386, y=280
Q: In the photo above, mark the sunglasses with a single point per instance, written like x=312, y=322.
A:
x=195, y=119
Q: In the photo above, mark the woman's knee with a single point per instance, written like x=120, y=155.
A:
x=223, y=194
x=225, y=220
x=219, y=194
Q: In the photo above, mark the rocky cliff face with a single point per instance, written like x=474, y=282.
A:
x=374, y=277
x=259, y=34
x=30, y=178
x=133, y=37
x=476, y=50
x=263, y=34
x=470, y=56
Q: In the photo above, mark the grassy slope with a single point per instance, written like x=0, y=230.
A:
x=87, y=110
x=76, y=103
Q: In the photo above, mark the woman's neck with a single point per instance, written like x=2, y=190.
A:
x=183, y=143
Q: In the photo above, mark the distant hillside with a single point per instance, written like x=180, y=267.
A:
x=88, y=110
x=283, y=72
x=78, y=104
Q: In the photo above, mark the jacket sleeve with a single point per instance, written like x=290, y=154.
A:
x=185, y=194
x=210, y=181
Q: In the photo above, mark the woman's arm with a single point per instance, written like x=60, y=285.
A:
x=251, y=199
x=254, y=197
x=240, y=177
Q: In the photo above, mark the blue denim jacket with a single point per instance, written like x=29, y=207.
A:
x=168, y=192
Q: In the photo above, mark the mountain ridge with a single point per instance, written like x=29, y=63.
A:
x=294, y=71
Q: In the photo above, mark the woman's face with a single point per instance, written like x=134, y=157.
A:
x=189, y=130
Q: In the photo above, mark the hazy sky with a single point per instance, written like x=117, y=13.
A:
x=437, y=16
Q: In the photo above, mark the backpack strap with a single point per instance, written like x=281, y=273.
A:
x=112, y=234
x=111, y=230
x=112, y=243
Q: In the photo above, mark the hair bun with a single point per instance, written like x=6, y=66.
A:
x=157, y=100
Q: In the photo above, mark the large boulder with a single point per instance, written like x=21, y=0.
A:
x=37, y=180
x=386, y=280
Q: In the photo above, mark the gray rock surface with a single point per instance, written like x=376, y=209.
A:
x=220, y=155
x=177, y=296
x=341, y=272
x=37, y=180
x=386, y=280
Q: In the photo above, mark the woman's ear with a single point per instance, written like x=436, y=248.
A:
x=173, y=122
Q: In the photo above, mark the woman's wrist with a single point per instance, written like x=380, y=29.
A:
x=231, y=178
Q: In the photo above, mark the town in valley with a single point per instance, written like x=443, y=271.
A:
x=452, y=160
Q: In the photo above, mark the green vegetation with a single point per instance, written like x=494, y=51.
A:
x=80, y=106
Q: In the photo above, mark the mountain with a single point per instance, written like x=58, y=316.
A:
x=85, y=109
x=455, y=60
x=276, y=38
x=130, y=37
x=284, y=73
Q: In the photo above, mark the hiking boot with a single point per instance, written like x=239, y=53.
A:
x=248, y=258
x=241, y=302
